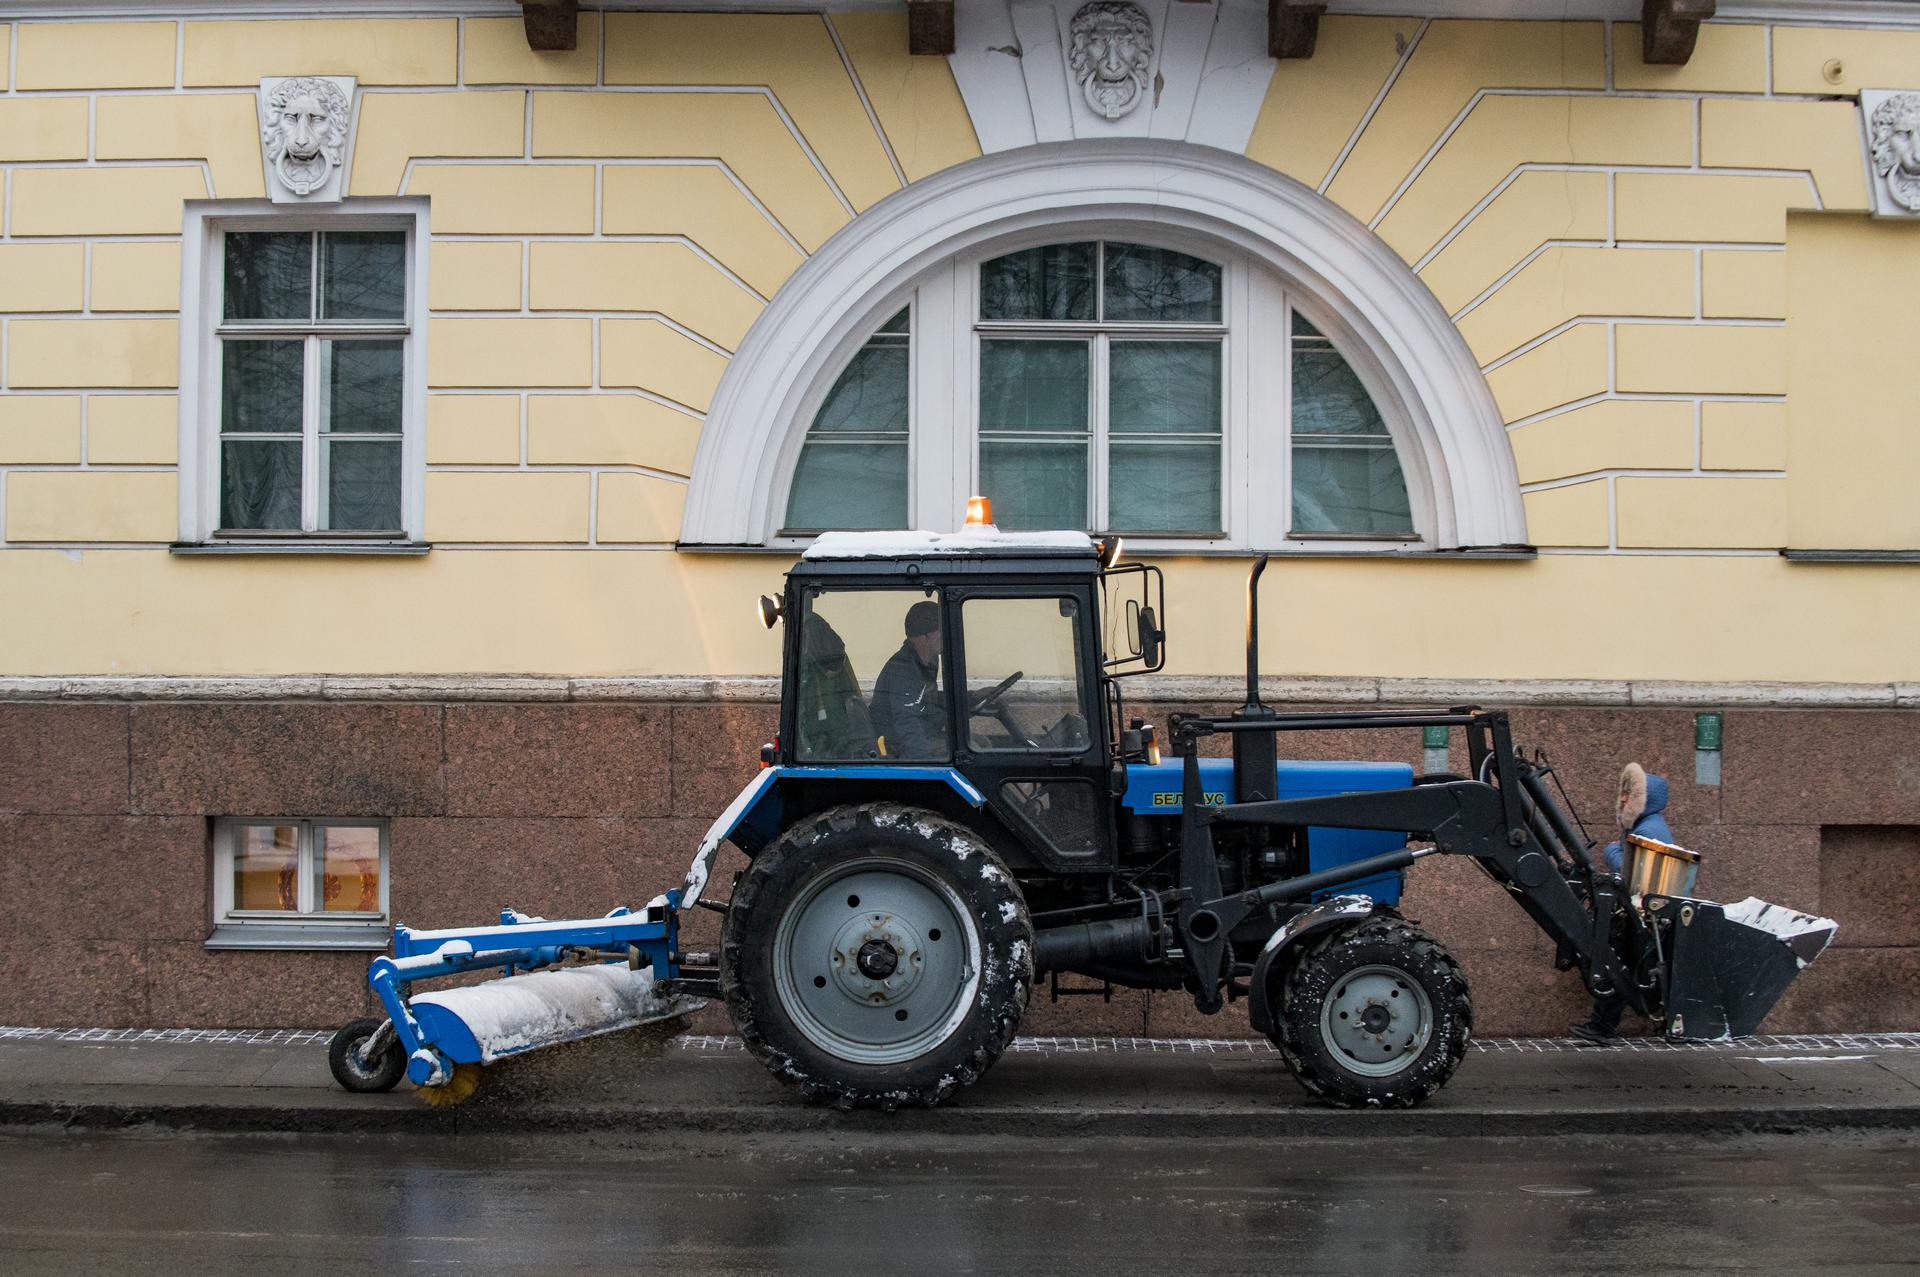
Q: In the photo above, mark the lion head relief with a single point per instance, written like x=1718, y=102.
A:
x=1111, y=51
x=306, y=132
x=1894, y=131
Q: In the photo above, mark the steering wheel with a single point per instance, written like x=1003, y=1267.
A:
x=987, y=702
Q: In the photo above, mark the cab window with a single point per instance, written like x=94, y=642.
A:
x=871, y=680
x=1024, y=674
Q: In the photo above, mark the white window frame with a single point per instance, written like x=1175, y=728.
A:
x=1256, y=396
x=307, y=926
x=203, y=273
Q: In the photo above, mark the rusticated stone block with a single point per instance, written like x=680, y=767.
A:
x=287, y=759
x=194, y=987
x=1869, y=879
x=460, y=873
x=1807, y=767
x=1589, y=747
x=716, y=751
x=1778, y=863
x=1171, y=1014
x=85, y=984
x=557, y=760
x=1518, y=994
x=63, y=758
x=103, y=878
x=1852, y=990
x=1125, y=1016
x=1453, y=900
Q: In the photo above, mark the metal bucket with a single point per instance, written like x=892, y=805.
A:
x=1657, y=868
x=1731, y=963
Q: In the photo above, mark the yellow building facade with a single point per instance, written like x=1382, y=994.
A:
x=1636, y=337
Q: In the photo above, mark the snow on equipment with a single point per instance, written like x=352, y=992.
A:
x=957, y=806
x=577, y=979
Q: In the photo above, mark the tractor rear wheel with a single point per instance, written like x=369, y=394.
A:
x=1373, y=1015
x=877, y=956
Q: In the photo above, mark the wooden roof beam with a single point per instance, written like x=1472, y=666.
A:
x=930, y=27
x=553, y=26
x=1668, y=29
x=1292, y=28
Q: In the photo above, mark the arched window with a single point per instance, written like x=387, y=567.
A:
x=1108, y=385
x=1123, y=335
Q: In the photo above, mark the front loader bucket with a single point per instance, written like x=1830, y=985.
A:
x=1731, y=963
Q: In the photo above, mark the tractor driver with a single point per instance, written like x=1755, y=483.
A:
x=909, y=713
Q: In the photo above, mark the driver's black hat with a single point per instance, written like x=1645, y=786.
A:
x=923, y=618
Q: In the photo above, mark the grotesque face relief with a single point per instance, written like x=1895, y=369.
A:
x=1112, y=49
x=1894, y=130
x=305, y=132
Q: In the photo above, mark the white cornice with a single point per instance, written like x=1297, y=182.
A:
x=1153, y=689
x=1885, y=14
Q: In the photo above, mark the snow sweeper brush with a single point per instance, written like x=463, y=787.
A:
x=560, y=981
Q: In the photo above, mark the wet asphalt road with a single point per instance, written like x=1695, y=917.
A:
x=890, y=1205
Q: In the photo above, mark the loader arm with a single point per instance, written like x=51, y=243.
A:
x=1462, y=818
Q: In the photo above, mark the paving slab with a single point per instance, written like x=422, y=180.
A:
x=645, y=1081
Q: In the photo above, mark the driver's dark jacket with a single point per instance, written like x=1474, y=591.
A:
x=908, y=711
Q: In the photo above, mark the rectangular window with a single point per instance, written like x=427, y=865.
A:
x=1101, y=389
x=299, y=883
x=310, y=379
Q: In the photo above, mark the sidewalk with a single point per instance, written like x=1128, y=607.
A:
x=632, y=1083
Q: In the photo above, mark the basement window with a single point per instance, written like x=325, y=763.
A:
x=296, y=883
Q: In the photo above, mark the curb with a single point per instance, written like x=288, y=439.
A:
x=22, y=1116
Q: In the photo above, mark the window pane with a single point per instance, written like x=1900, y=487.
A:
x=1160, y=285
x=1353, y=489
x=1035, y=638
x=900, y=324
x=1165, y=386
x=363, y=275
x=266, y=867
x=862, y=679
x=1328, y=398
x=849, y=484
x=1034, y=385
x=346, y=863
x=1158, y=487
x=261, y=386
x=269, y=275
x=1052, y=282
x=260, y=484
x=362, y=482
x=872, y=393
x=365, y=383
x=1035, y=486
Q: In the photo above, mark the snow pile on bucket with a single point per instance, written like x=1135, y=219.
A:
x=1803, y=933
x=522, y=1012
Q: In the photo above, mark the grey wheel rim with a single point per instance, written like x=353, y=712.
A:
x=1376, y=1020
x=876, y=962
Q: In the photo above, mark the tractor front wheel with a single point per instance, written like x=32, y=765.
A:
x=877, y=956
x=1373, y=1015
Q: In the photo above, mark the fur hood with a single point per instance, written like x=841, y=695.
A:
x=1643, y=798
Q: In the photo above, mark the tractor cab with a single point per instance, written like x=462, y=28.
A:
x=961, y=670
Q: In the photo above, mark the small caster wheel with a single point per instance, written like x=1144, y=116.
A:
x=366, y=1056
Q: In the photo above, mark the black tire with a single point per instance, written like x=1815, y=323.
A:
x=381, y=1075
x=794, y=875
x=1399, y=958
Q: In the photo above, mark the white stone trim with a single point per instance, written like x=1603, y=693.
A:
x=1454, y=439
x=1889, y=14
x=1011, y=63
x=1160, y=689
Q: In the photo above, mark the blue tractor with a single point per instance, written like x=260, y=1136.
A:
x=958, y=808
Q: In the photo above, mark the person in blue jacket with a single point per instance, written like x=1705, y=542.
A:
x=1643, y=799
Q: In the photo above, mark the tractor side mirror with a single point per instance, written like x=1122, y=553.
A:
x=1149, y=637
